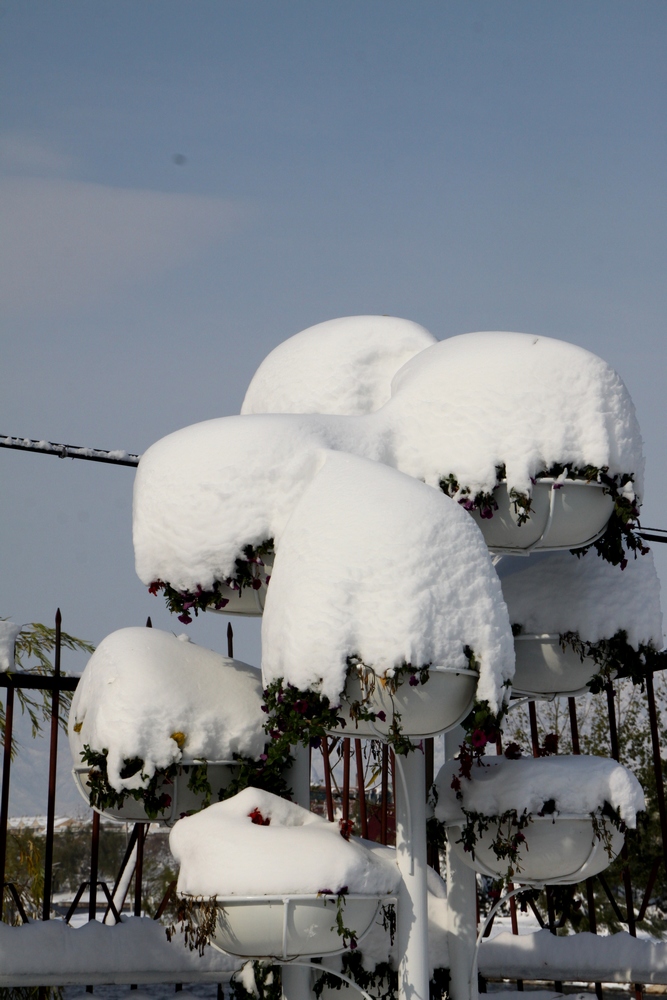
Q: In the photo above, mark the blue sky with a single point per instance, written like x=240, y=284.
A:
x=184, y=185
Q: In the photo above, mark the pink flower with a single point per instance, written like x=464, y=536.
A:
x=479, y=739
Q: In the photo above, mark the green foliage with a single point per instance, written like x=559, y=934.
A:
x=614, y=657
x=249, y=574
x=305, y=717
x=380, y=982
x=296, y=717
x=102, y=795
x=644, y=844
x=267, y=982
x=31, y=993
x=152, y=794
x=34, y=645
x=197, y=919
x=619, y=538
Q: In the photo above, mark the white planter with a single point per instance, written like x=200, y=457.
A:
x=290, y=926
x=560, y=849
x=183, y=800
x=571, y=516
x=425, y=709
x=248, y=602
x=545, y=669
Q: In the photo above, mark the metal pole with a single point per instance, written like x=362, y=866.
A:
x=462, y=907
x=230, y=641
x=657, y=763
x=385, y=794
x=296, y=979
x=94, y=867
x=429, y=766
x=534, y=735
x=346, y=782
x=574, y=725
x=4, y=801
x=53, y=764
x=327, y=778
x=361, y=789
x=139, y=870
x=515, y=925
x=412, y=915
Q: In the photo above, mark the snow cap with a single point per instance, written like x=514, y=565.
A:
x=204, y=492
x=341, y=366
x=576, y=784
x=141, y=686
x=256, y=843
x=9, y=633
x=375, y=564
x=472, y=403
x=556, y=592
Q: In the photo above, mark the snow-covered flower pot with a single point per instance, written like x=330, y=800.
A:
x=158, y=725
x=539, y=821
x=558, y=849
x=563, y=515
x=578, y=622
x=286, y=927
x=342, y=366
x=179, y=798
x=492, y=416
x=424, y=709
x=266, y=878
x=545, y=667
x=384, y=604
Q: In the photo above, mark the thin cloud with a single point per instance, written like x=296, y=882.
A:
x=30, y=154
x=68, y=244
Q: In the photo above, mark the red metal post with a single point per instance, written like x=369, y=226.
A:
x=346, y=781
x=361, y=789
x=327, y=778
x=384, y=791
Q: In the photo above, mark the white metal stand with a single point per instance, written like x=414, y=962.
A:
x=296, y=978
x=412, y=910
x=462, y=907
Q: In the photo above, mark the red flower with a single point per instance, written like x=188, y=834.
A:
x=346, y=828
x=479, y=739
x=258, y=819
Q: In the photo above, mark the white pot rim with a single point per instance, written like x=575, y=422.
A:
x=435, y=669
x=288, y=897
x=534, y=817
x=551, y=480
x=85, y=768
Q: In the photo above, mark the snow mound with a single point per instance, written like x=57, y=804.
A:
x=9, y=633
x=204, y=492
x=229, y=849
x=378, y=565
x=50, y=952
x=142, y=685
x=474, y=402
x=342, y=366
x=554, y=592
x=576, y=784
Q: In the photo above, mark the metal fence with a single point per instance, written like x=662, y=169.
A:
x=346, y=795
